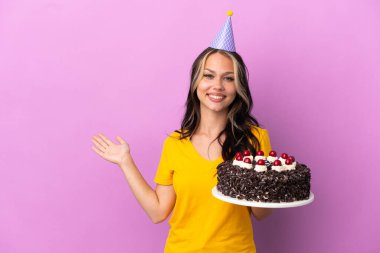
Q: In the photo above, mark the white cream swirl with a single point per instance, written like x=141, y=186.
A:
x=242, y=164
x=290, y=166
x=278, y=168
x=260, y=168
x=258, y=157
x=248, y=156
x=282, y=160
x=271, y=158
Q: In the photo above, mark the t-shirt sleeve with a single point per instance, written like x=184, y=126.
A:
x=265, y=142
x=164, y=174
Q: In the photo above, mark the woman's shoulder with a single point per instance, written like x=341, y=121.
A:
x=259, y=132
x=174, y=137
x=176, y=134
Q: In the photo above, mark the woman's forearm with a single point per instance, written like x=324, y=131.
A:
x=142, y=191
x=261, y=213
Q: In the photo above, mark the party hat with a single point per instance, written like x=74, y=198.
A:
x=225, y=38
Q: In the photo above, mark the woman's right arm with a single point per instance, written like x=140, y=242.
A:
x=157, y=203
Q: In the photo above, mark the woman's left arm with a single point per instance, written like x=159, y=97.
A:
x=261, y=213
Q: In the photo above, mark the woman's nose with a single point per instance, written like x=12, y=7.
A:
x=218, y=84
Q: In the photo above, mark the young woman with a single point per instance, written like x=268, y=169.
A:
x=217, y=123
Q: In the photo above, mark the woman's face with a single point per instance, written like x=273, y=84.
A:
x=216, y=89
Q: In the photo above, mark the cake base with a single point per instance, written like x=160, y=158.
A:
x=217, y=194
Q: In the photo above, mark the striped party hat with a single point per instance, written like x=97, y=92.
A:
x=225, y=38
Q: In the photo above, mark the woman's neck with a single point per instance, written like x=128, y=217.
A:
x=212, y=123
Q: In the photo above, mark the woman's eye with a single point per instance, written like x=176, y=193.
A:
x=228, y=78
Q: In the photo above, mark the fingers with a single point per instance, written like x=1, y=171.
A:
x=97, y=151
x=120, y=139
x=105, y=139
x=102, y=140
x=98, y=145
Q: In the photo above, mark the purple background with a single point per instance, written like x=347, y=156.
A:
x=72, y=68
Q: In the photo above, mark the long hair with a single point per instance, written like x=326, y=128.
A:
x=238, y=129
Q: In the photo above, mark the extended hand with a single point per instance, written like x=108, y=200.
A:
x=110, y=151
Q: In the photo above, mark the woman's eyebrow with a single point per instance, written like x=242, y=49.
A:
x=212, y=71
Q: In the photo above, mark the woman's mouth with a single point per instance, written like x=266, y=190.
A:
x=215, y=98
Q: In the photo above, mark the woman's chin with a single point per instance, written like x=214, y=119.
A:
x=217, y=109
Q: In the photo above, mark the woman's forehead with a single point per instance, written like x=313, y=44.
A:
x=219, y=63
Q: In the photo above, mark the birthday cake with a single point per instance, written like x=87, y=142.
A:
x=264, y=179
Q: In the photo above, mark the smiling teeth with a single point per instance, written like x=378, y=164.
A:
x=215, y=97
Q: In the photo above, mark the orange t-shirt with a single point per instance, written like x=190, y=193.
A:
x=199, y=221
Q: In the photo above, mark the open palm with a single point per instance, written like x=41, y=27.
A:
x=108, y=150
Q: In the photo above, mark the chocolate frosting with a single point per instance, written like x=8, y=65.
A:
x=269, y=186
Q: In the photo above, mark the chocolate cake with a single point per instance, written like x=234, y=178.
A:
x=264, y=179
